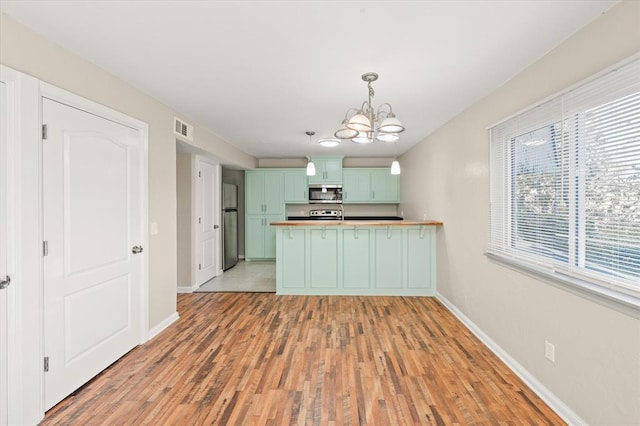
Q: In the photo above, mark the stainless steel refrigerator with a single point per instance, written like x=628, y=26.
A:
x=229, y=225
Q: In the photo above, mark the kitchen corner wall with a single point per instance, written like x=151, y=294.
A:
x=597, y=369
x=184, y=173
x=28, y=52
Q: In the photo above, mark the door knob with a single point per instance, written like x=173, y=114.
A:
x=5, y=283
x=216, y=226
x=136, y=249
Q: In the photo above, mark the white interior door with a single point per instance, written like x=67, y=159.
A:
x=207, y=227
x=4, y=272
x=92, y=219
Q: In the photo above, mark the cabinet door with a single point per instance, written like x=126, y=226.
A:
x=388, y=257
x=356, y=186
x=384, y=186
x=356, y=272
x=254, y=237
x=273, y=189
x=333, y=170
x=293, y=262
x=270, y=236
x=295, y=186
x=254, y=192
x=419, y=258
x=323, y=258
x=328, y=170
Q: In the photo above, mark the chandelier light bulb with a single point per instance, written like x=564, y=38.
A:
x=360, y=122
x=387, y=137
x=391, y=125
x=363, y=138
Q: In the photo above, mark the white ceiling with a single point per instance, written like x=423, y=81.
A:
x=261, y=73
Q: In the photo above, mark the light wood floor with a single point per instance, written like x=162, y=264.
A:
x=258, y=358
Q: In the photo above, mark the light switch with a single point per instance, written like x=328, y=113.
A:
x=154, y=228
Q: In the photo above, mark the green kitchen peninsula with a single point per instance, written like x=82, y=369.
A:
x=377, y=258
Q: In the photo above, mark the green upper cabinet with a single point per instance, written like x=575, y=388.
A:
x=370, y=186
x=295, y=186
x=328, y=170
x=385, y=187
x=356, y=186
x=264, y=192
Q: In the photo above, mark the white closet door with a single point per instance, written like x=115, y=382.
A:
x=92, y=221
x=207, y=228
x=4, y=318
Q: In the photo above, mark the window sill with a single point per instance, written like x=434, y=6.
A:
x=621, y=302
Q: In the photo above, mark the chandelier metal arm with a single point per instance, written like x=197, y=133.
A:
x=382, y=114
x=352, y=111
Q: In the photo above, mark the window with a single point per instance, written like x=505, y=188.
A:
x=565, y=186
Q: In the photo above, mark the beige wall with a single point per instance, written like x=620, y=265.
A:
x=25, y=51
x=597, y=368
x=184, y=215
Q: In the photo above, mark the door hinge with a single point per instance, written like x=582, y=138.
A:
x=199, y=220
x=199, y=174
x=199, y=266
x=46, y=364
x=45, y=248
x=44, y=131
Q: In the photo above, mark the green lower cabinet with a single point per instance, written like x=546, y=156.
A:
x=356, y=270
x=293, y=254
x=260, y=238
x=358, y=260
x=420, y=258
x=323, y=258
x=388, y=258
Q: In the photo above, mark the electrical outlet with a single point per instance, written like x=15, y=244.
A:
x=154, y=228
x=424, y=216
x=549, y=351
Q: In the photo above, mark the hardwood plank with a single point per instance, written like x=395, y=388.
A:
x=258, y=358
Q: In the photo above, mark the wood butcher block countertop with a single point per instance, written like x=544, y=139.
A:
x=356, y=223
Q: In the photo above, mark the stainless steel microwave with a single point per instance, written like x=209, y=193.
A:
x=325, y=194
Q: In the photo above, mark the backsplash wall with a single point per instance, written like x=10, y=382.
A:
x=349, y=209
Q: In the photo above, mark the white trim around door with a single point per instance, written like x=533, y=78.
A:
x=25, y=305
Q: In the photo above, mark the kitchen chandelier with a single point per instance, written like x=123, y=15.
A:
x=364, y=125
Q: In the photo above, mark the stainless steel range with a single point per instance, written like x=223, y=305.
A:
x=325, y=214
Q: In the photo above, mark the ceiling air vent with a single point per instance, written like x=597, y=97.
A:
x=182, y=129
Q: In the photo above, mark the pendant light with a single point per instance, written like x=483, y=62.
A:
x=395, y=167
x=311, y=168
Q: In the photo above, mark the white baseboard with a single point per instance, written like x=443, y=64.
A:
x=545, y=394
x=241, y=256
x=185, y=289
x=164, y=324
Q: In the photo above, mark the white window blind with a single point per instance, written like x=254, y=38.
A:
x=565, y=185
